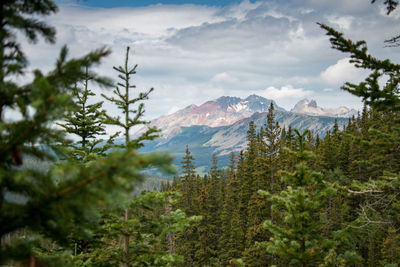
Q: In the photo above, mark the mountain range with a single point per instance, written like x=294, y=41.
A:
x=223, y=111
x=220, y=126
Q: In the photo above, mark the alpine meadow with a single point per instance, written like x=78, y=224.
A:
x=87, y=179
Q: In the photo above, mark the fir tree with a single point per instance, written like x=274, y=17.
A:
x=87, y=124
x=298, y=242
x=125, y=102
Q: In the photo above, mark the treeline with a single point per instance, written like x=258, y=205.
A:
x=292, y=199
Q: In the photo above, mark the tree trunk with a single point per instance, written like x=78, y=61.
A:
x=125, y=244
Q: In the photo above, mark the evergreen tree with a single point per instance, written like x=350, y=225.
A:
x=391, y=249
x=148, y=228
x=228, y=249
x=214, y=207
x=87, y=124
x=125, y=102
x=273, y=147
x=190, y=186
x=385, y=98
x=298, y=242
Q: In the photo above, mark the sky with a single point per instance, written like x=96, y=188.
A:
x=194, y=51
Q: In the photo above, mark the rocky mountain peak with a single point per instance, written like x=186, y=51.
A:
x=308, y=107
x=223, y=111
x=227, y=101
x=313, y=104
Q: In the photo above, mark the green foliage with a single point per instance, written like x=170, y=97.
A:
x=86, y=123
x=49, y=205
x=148, y=227
x=298, y=241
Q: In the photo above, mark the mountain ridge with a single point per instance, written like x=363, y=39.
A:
x=222, y=111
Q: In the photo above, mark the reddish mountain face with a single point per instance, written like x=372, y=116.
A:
x=220, y=112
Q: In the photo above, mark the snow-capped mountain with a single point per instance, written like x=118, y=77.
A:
x=310, y=107
x=223, y=111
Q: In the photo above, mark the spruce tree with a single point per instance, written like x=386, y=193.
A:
x=230, y=205
x=214, y=206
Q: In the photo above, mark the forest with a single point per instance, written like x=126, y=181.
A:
x=289, y=199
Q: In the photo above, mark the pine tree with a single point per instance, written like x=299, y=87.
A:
x=377, y=180
x=187, y=180
x=214, y=206
x=230, y=203
x=205, y=252
x=391, y=248
x=245, y=173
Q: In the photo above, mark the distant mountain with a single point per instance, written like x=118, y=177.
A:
x=220, y=126
x=203, y=140
x=223, y=111
x=308, y=107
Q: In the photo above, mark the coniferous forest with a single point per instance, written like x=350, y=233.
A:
x=290, y=198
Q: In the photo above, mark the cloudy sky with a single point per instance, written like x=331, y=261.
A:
x=194, y=51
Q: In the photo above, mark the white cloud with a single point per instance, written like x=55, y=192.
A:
x=343, y=71
x=328, y=90
x=344, y=22
x=224, y=77
x=287, y=91
x=191, y=53
x=173, y=109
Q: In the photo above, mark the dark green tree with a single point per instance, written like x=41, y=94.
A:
x=298, y=241
x=148, y=228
